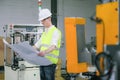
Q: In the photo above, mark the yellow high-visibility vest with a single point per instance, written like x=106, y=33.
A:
x=45, y=43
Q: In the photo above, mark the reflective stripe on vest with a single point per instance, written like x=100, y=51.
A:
x=45, y=44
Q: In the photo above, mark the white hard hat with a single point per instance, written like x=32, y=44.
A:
x=44, y=13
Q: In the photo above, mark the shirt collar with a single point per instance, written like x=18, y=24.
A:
x=47, y=29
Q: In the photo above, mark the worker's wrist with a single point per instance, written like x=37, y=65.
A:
x=46, y=51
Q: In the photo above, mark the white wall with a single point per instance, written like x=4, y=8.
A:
x=18, y=11
x=78, y=8
x=46, y=4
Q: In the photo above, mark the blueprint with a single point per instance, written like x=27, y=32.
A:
x=28, y=53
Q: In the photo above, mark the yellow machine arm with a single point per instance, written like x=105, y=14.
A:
x=73, y=66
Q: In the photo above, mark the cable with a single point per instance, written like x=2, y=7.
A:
x=109, y=65
x=100, y=21
x=103, y=40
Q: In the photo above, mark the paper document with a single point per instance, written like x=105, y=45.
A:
x=28, y=53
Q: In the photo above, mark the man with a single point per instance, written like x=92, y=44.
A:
x=48, y=45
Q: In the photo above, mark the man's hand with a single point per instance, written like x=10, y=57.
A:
x=51, y=48
x=42, y=53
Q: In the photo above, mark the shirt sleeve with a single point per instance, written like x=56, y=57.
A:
x=55, y=38
x=38, y=43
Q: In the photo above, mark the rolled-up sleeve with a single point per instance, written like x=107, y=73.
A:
x=55, y=38
x=38, y=44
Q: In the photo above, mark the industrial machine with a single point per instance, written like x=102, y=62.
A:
x=78, y=57
x=17, y=68
x=72, y=25
x=107, y=29
x=107, y=35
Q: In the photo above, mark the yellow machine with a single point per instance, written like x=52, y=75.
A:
x=107, y=36
x=73, y=26
x=107, y=33
x=107, y=30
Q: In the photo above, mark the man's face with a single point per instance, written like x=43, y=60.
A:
x=45, y=22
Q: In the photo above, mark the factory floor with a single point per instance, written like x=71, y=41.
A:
x=1, y=75
x=58, y=77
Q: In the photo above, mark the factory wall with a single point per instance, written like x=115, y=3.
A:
x=18, y=12
x=26, y=12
